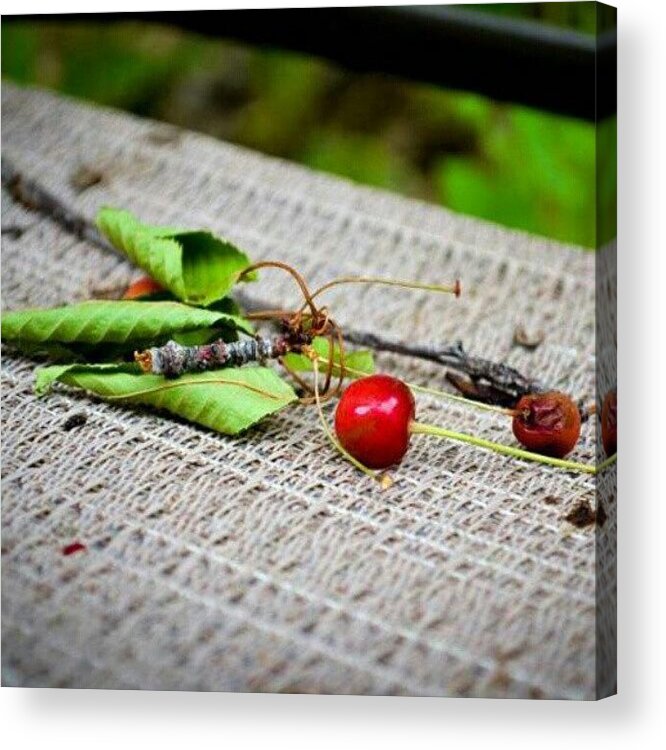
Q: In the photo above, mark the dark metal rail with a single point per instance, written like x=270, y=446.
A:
x=507, y=59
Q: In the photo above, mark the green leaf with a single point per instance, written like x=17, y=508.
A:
x=196, y=266
x=112, y=322
x=201, y=337
x=360, y=361
x=45, y=377
x=227, y=305
x=228, y=400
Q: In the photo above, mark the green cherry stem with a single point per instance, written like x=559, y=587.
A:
x=433, y=392
x=608, y=462
x=461, y=400
x=455, y=289
x=418, y=428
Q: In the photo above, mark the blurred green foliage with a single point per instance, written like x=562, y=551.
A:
x=520, y=167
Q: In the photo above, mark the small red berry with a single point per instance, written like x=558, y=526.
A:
x=373, y=418
x=142, y=288
x=547, y=423
x=609, y=423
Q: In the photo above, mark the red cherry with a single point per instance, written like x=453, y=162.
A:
x=609, y=423
x=547, y=423
x=373, y=418
x=141, y=288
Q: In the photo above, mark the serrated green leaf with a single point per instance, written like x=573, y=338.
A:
x=126, y=322
x=228, y=401
x=196, y=266
x=360, y=362
x=226, y=304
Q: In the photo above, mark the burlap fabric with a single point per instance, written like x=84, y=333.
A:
x=266, y=562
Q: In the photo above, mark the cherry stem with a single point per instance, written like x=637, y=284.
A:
x=418, y=428
x=608, y=462
x=290, y=270
x=446, y=289
x=384, y=479
x=435, y=392
x=462, y=400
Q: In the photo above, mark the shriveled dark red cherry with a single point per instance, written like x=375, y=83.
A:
x=547, y=423
x=373, y=418
x=142, y=288
x=609, y=423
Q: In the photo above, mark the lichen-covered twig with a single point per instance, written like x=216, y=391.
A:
x=173, y=360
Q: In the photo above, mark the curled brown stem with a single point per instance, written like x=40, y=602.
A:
x=290, y=270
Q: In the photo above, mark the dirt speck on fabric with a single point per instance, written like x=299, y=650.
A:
x=86, y=177
x=551, y=500
x=558, y=289
x=527, y=341
x=500, y=680
x=164, y=136
x=13, y=231
x=581, y=515
x=74, y=421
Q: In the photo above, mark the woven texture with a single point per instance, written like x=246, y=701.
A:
x=266, y=562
